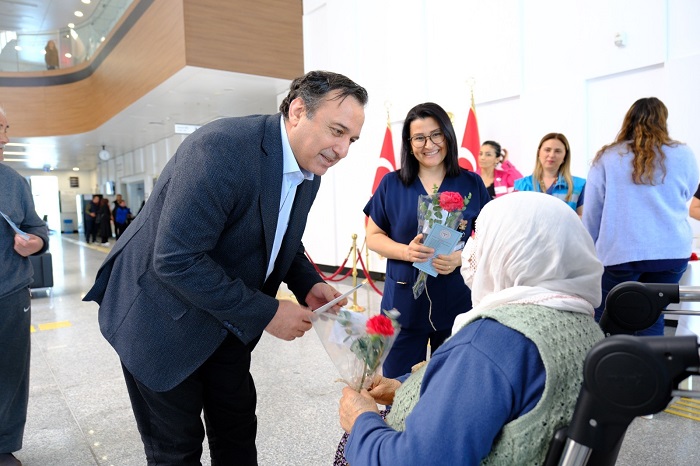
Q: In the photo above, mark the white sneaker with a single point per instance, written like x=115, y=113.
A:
x=105, y=244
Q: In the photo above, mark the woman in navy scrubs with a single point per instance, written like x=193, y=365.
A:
x=428, y=158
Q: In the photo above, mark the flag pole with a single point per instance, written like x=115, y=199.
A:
x=471, y=82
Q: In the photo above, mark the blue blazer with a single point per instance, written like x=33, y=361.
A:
x=191, y=267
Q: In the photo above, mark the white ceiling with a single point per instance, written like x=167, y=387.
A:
x=192, y=96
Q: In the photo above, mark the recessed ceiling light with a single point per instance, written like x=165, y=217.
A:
x=87, y=2
x=78, y=13
x=71, y=25
x=68, y=55
x=33, y=144
x=77, y=169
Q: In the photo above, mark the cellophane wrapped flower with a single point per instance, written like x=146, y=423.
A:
x=357, y=344
x=445, y=208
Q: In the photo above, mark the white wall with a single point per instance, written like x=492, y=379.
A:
x=538, y=67
x=87, y=182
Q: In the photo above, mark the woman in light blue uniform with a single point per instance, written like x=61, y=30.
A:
x=552, y=173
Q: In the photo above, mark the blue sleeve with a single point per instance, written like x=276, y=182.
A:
x=467, y=396
x=595, y=197
x=523, y=184
x=376, y=207
x=31, y=223
x=579, y=203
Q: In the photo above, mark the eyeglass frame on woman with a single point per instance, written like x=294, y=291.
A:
x=425, y=139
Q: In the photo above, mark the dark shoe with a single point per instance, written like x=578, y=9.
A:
x=8, y=459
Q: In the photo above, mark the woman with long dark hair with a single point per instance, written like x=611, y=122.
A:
x=429, y=162
x=637, y=194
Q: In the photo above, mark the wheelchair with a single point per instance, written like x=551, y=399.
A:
x=624, y=376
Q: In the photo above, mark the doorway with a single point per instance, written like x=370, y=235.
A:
x=46, y=203
x=134, y=196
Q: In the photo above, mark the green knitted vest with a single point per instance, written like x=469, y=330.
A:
x=563, y=339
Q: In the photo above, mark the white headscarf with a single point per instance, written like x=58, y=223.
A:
x=530, y=248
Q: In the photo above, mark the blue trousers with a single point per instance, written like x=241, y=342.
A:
x=15, y=320
x=611, y=278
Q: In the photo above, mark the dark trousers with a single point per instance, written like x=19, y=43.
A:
x=119, y=228
x=15, y=320
x=170, y=422
x=409, y=349
x=612, y=278
x=90, y=229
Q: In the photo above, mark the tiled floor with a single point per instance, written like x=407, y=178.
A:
x=79, y=412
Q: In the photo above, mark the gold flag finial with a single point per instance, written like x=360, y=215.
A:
x=471, y=82
x=387, y=106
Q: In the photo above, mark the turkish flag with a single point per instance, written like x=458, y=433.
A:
x=469, y=152
x=386, y=159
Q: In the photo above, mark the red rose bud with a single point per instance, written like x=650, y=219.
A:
x=451, y=201
x=693, y=257
x=380, y=325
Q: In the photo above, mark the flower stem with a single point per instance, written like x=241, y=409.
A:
x=364, y=375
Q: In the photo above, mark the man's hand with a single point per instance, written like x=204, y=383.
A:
x=352, y=404
x=322, y=293
x=290, y=321
x=27, y=247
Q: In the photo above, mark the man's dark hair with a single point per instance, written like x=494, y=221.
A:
x=315, y=85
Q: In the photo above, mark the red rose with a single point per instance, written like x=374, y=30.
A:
x=380, y=325
x=451, y=201
x=693, y=257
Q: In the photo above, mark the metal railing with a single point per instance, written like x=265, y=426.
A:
x=22, y=52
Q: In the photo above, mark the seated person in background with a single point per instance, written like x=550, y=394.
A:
x=498, y=181
x=552, y=173
x=694, y=210
x=509, y=376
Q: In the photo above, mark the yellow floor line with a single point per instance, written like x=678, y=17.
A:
x=50, y=326
x=688, y=408
x=681, y=414
x=683, y=408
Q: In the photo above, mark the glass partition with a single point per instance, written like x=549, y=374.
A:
x=21, y=51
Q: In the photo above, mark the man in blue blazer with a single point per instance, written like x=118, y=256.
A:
x=187, y=291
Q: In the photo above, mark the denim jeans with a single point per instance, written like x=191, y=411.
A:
x=612, y=278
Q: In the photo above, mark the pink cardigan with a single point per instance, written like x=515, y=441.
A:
x=504, y=178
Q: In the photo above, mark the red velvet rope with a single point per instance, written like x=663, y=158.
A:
x=332, y=276
x=368, y=277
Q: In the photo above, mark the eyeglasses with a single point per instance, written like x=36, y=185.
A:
x=438, y=137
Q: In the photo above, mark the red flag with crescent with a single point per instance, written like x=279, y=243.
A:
x=469, y=152
x=387, y=162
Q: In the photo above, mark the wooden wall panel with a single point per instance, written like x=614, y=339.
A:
x=260, y=37
x=246, y=36
x=151, y=52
